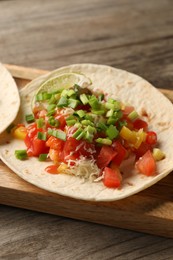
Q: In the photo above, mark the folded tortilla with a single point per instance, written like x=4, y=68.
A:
x=9, y=100
x=156, y=109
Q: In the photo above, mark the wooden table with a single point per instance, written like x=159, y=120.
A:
x=133, y=35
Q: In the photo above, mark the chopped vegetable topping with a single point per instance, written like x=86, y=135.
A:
x=21, y=154
x=87, y=135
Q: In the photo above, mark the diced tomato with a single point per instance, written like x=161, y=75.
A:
x=143, y=148
x=121, y=153
x=139, y=123
x=146, y=164
x=55, y=143
x=69, y=151
x=36, y=110
x=53, y=169
x=62, y=121
x=86, y=149
x=38, y=146
x=112, y=178
x=34, y=145
x=27, y=141
x=42, y=113
x=127, y=110
x=151, y=138
x=73, y=149
x=105, y=156
x=32, y=130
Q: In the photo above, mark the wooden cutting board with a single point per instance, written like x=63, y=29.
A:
x=149, y=211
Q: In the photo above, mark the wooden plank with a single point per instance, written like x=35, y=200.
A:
x=149, y=211
x=139, y=40
x=23, y=72
x=27, y=74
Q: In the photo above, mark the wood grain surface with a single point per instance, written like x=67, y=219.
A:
x=129, y=34
x=149, y=211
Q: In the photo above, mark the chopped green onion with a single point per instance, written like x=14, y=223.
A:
x=118, y=114
x=98, y=112
x=117, y=105
x=112, y=120
x=21, y=154
x=110, y=113
x=133, y=115
x=77, y=125
x=52, y=100
x=29, y=118
x=102, y=126
x=41, y=136
x=88, y=117
x=73, y=103
x=51, y=113
x=84, y=99
x=81, y=113
x=109, y=105
x=57, y=133
x=64, y=93
x=43, y=96
x=40, y=122
x=42, y=157
x=94, y=103
x=79, y=134
x=122, y=123
x=111, y=100
x=70, y=92
x=101, y=97
x=53, y=122
x=113, y=104
x=88, y=136
x=63, y=102
x=51, y=107
x=87, y=122
x=104, y=141
x=91, y=129
x=71, y=117
x=112, y=132
x=71, y=120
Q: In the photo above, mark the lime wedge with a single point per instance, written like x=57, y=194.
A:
x=62, y=81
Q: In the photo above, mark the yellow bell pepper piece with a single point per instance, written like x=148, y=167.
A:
x=132, y=137
x=128, y=135
x=20, y=132
x=140, y=137
x=62, y=168
x=158, y=154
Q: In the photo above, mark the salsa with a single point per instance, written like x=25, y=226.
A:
x=74, y=125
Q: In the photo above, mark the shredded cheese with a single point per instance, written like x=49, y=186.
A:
x=84, y=168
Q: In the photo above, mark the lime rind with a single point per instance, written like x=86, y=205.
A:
x=62, y=81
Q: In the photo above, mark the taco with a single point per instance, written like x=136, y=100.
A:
x=93, y=132
x=10, y=101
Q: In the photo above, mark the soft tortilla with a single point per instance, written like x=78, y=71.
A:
x=118, y=84
x=9, y=101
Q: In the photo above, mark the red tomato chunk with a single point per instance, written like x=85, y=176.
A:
x=146, y=164
x=112, y=178
x=105, y=156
